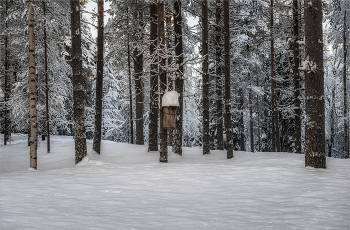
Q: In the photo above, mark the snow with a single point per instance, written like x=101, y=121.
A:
x=127, y=188
x=170, y=98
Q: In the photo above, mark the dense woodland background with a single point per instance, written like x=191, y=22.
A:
x=246, y=62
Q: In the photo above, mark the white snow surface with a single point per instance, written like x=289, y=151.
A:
x=170, y=98
x=127, y=188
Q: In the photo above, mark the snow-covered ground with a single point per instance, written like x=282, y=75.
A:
x=126, y=188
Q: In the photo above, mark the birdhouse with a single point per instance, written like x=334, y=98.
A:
x=170, y=102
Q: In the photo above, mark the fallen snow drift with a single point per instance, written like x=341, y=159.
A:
x=126, y=188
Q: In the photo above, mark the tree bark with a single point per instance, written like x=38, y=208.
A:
x=138, y=73
x=297, y=86
x=205, y=76
x=96, y=147
x=179, y=81
x=7, y=88
x=162, y=80
x=251, y=122
x=228, y=116
x=273, y=83
x=154, y=96
x=46, y=83
x=130, y=90
x=220, y=125
x=241, y=120
x=32, y=89
x=314, y=86
x=346, y=129
x=78, y=83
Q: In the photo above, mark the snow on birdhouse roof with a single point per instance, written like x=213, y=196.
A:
x=170, y=98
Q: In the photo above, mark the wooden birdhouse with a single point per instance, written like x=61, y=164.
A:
x=170, y=102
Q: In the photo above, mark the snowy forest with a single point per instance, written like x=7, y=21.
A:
x=174, y=114
x=250, y=75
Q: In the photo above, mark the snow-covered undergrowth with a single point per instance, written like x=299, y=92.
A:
x=126, y=188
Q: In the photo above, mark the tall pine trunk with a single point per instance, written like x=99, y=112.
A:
x=251, y=122
x=32, y=89
x=7, y=88
x=138, y=73
x=228, y=116
x=96, y=147
x=78, y=83
x=241, y=120
x=162, y=80
x=314, y=86
x=154, y=96
x=130, y=89
x=179, y=81
x=346, y=129
x=47, y=118
x=220, y=125
x=297, y=86
x=205, y=76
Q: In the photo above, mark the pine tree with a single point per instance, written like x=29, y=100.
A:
x=314, y=86
x=99, y=80
x=154, y=97
x=205, y=76
x=78, y=83
x=228, y=116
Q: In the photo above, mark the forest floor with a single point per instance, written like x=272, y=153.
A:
x=127, y=188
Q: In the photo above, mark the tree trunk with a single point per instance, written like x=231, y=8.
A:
x=314, y=86
x=179, y=81
x=154, y=97
x=228, y=116
x=273, y=83
x=346, y=130
x=162, y=80
x=297, y=86
x=32, y=89
x=205, y=76
x=241, y=120
x=251, y=122
x=220, y=125
x=130, y=90
x=78, y=83
x=138, y=73
x=7, y=88
x=96, y=147
x=46, y=83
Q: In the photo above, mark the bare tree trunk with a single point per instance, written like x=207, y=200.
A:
x=242, y=138
x=220, y=125
x=162, y=81
x=346, y=129
x=228, y=116
x=251, y=122
x=179, y=81
x=314, y=86
x=130, y=92
x=154, y=97
x=96, y=147
x=78, y=83
x=46, y=83
x=274, y=112
x=297, y=87
x=32, y=89
x=138, y=73
x=7, y=87
x=205, y=76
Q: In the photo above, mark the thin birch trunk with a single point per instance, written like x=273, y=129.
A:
x=32, y=89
